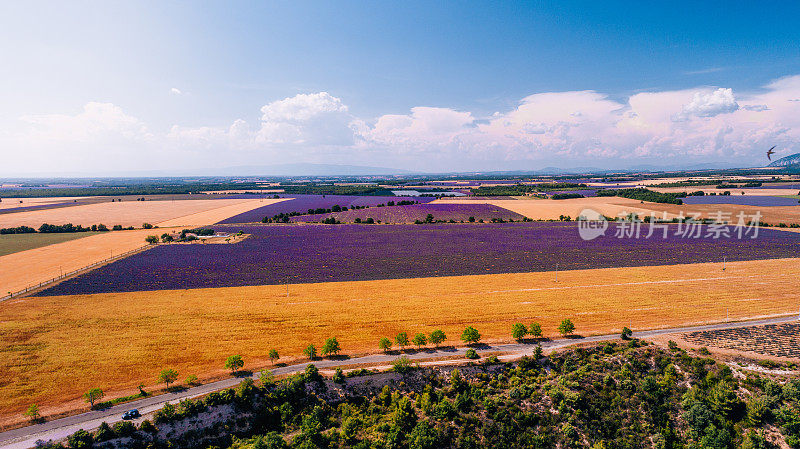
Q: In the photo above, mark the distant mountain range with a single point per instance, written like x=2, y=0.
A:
x=788, y=161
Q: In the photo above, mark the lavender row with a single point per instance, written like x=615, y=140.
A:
x=302, y=203
x=277, y=254
x=417, y=212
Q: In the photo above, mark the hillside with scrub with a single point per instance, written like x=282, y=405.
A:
x=624, y=394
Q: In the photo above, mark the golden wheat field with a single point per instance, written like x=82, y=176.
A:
x=134, y=213
x=115, y=341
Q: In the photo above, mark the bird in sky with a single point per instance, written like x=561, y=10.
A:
x=770, y=152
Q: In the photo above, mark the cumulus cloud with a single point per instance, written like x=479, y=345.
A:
x=574, y=127
x=175, y=91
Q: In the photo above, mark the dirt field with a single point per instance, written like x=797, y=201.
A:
x=40, y=264
x=14, y=243
x=134, y=213
x=734, y=192
x=539, y=209
x=115, y=341
x=9, y=203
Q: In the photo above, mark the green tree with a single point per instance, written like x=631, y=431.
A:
x=234, y=363
x=518, y=331
x=273, y=355
x=402, y=365
x=626, y=333
x=167, y=376
x=191, y=380
x=151, y=239
x=437, y=337
x=420, y=340
x=566, y=327
x=310, y=352
x=470, y=335
x=538, y=353
x=385, y=344
x=33, y=412
x=535, y=330
x=331, y=347
x=472, y=354
x=401, y=340
x=338, y=376
x=93, y=395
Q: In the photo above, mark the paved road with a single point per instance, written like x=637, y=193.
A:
x=26, y=437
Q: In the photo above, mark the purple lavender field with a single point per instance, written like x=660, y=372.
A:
x=411, y=213
x=277, y=254
x=742, y=200
x=302, y=203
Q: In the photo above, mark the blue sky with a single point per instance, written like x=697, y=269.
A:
x=420, y=85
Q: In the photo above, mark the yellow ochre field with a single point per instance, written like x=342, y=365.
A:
x=116, y=341
x=134, y=213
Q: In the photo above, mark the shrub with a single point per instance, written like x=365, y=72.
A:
x=420, y=340
x=470, y=335
x=310, y=352
x=472, y=354
x=33, y=412
x=331, y=347
x=402, y=365
x=437, y=337
x=518, y=331
x=402, y=340
x=234, y=363
x=167, y=376
x=151, y=239
x=566, y=327
x=192, y=380
x=273, y=355
x=338, y=376
x=311, y=374
x=385, y=344
x=626, y=333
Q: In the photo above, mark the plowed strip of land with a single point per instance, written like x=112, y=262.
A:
x=117, y=340
x=537, y=209
x=134, y=213
x=27, y=268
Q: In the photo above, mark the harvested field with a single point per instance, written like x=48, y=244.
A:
x=539, y=209
x=134, y=213
x=19, y=203
x=302, y=204
x=25, y=268
x=756, y=191
x=752, y=200
x=117, y=340
x=277, y=254
x=776, y=340
x=412, y=213
x=14, y=243
x=614, y=206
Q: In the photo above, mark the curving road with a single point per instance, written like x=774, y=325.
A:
x=26, y=437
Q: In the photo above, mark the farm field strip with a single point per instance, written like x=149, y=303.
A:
x=26, y=268
x=220, y=213
x=113, y=340
x=14, y=243
x=280, y=254
x=132, y=213
x=411, y=213
x=302, y=203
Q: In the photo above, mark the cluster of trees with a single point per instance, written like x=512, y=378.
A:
x=47, y=228
x=419, y=340
x=331, y=347
x=523, y=189
x=17, y=230
x=520, y=331
x=644, y=195
x=611, y=395
x=566, y=196
x=331, y=189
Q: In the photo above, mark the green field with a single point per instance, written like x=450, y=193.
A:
x=14, y=243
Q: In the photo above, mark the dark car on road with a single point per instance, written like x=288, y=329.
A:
x=131, y=414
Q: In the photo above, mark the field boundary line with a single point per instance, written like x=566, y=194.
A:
x=87, y=268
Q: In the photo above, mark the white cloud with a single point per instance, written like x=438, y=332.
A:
x=709, y=104
x=565, y=128
x=175, y=91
